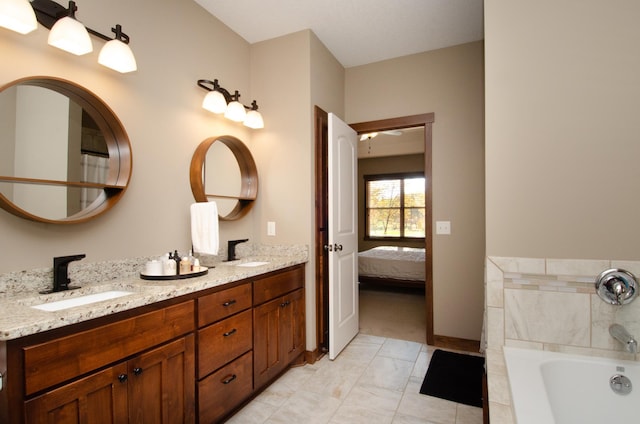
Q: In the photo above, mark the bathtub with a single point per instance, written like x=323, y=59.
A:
x=558, y=388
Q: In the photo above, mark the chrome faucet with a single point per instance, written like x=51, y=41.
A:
x=621, y=334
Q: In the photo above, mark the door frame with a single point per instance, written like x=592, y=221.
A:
x=321, y=211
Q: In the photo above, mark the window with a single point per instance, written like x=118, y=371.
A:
x=395, y=206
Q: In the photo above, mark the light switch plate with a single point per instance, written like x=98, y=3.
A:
x=443, y=227
x=271, y=228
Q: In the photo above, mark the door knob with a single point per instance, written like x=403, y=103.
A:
x=122, y=378
x=337, y=247
x=328, y=247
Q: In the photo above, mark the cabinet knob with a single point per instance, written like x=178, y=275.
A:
x=285, y=304
x=122, y=378
x=228, y=333
x=137, y=370
x=229, y=302
x=228, y=379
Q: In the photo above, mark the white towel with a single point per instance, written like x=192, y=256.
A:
x=204, y=228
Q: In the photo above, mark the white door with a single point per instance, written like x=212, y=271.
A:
x=343, y=235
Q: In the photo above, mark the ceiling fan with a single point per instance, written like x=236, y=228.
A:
x=369, y=136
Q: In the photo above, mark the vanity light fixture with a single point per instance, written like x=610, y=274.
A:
x=219, y=100
x=70, y=35
x=67, y=33
x=18, y=16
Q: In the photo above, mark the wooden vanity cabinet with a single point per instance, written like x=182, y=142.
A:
x=278, y=316
x=137, y=369
x=150, y=388
x=193, y=359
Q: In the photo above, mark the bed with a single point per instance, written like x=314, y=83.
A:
x=392, y=266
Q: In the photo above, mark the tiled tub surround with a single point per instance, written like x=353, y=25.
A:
x=19, y=290
x=549, y=304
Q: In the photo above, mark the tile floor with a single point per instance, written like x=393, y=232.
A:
x=374, y=380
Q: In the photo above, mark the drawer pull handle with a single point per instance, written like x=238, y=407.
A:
x=285, y=304
x=229, y=333
x=137, y=371
x=228, y=379
x=229, y=302
x=122, y=378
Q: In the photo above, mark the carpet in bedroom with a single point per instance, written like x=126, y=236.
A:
x=393, y=314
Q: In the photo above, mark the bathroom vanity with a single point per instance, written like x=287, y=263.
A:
x=182, y=352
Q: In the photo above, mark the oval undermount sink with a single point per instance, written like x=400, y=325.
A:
x=252, y=264
x=88, y=299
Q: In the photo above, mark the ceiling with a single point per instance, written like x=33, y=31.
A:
x=357, y=32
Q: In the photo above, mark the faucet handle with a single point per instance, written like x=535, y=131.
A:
x=616, y=286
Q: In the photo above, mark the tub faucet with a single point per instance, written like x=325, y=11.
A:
x=621, y=334
x=231, y=248
x=60, y=276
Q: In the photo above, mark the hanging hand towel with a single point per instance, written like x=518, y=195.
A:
x=204, y=228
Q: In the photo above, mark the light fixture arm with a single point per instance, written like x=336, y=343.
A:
x=215, y=86
x=48, y=12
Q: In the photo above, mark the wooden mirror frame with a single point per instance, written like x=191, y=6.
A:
x=248, y=175
x=118, y=145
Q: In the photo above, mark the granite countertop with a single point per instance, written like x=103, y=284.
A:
x=18, y=318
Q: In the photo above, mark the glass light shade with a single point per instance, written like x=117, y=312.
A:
x=254, y=120
x=214, y=102
x=235, y=111
x=18, y=16
x=118, y=56
x=70, y=35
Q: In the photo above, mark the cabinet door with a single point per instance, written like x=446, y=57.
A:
x=162, y=384
x=268, y=358
x=96, y=399
x=292, y=324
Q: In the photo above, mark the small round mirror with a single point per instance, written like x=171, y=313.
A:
x=223, y=170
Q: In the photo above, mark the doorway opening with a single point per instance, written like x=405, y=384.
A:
x=321, y=213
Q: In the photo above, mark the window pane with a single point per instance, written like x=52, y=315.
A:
x=384, y=223
x=414, y=192
x=414, y=222
x=384, y=194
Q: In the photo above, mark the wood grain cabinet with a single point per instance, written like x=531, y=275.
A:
x=197, y=358
x=139, y=369
x=225, y=359
x=151, y=388
x=278, y=317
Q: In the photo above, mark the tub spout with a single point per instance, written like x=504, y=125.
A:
x=621, y=334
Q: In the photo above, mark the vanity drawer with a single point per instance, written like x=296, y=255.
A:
x=267, y=288
x=225, y=389
x=219, y=305
x=223, y=341
x=62, y=359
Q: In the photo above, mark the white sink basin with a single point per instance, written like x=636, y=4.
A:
x=81, y=300
x=252, y=264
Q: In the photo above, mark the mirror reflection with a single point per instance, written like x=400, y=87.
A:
x=222, y=179
x=45, y=135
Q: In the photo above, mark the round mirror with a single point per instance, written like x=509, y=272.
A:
x=223, y=170
x=66, y=156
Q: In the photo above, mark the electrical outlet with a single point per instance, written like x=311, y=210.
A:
x=443, y=227
x=271, y=228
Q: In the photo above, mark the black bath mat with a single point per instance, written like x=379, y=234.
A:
x=455, y=377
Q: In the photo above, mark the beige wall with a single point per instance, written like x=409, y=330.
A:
x=291, y=74
x=159, y=106
x=563, y=97
x=448, y=82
